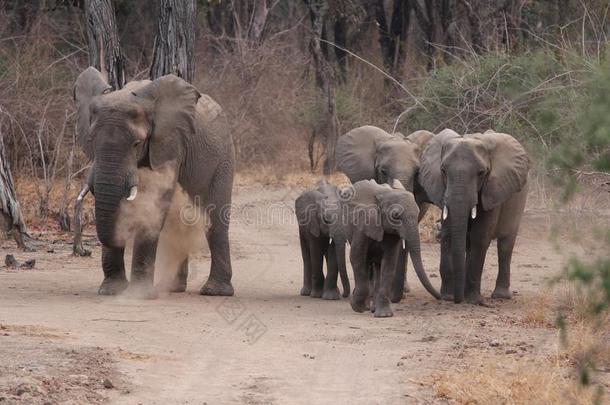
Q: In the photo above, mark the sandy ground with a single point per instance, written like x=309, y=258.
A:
x=62, y=343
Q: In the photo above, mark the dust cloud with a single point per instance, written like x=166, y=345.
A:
x=182, y=232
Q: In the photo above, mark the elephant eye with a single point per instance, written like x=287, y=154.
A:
x=136, y=143
x=395, y=215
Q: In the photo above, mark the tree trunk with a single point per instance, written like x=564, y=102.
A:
x=325, y=81
x=104, y=45
x=9, y=206
x=175, y=39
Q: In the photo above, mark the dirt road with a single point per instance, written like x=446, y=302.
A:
x=59, y=341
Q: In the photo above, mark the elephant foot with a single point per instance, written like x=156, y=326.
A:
x=474, y=298
x=112, y=286
x=142, y=291
x=360, y=305
x=316, y=292
x=305, y=290
x=177, y=288
x=214, y=287
x=396, y=296
x=447, y=297
x=331, y=294
x=502, y=293
x=446, y=292
x=383, y=309
x=345, y=293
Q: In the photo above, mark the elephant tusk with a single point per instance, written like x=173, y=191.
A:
x=330, y=241
x=445, y=212
x=404, y=245
x=473, y=212
x=133, y=193
x=83, y=193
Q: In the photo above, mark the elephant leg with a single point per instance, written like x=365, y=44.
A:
x=386, y=277
x=399, y=284
x=143, y=267
x=505, y=253
x=178, y=285
x=316, y=257
x=219, y=212
x=374, y=284
x=358, y=258
x=306, y=289
x=445, y=265
x=476, y=250
x=331, y=292
x=114, y=271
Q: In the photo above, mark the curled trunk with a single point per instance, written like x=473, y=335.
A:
x=413, y=243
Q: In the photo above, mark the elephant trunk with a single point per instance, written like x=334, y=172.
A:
x=458, y=217
x=112, y=183
x=340, y=251
x=414, y=246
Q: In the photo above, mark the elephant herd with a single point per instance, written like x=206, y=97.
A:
x=167, y=126
x=478, y=180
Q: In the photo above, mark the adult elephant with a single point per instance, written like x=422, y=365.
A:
x=368, y=152
x=160, y=135
x=321, y=235
x=480, y=182
x=381, y=221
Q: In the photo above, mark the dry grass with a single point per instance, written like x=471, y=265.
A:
x=481, y=382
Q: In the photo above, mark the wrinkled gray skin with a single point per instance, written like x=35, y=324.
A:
x=487, y=172
x=164, y=125
x=322, y=236
x=368, y=152
x=377, y=219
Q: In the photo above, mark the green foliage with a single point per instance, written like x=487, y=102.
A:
x=529, y=96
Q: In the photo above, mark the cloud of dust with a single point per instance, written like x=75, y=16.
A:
x=181, y=234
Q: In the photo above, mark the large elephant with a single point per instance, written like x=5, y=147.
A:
x=321, y=235
x=480, y=183
x=368, y=152
x=380, y=222
x=146, y=132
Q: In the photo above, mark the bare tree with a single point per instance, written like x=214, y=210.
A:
x=175, y=39
x=104, y=46
x=325, y=80
x=10, y=210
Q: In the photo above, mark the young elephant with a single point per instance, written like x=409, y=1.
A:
x=480, y=183
x=320, y=234
x=380, y=222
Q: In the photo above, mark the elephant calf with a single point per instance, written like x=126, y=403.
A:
x=380, y=222
x=320, y=234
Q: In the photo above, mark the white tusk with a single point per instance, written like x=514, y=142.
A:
x=133, y=193
x=445, y=212
x=404, y=246
x=330, y=241
x=473, y=212
x=83, y=193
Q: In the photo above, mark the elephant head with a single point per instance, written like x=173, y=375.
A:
x=137, y=126
x=369, y=152
x=379, y=210
x=464, y=174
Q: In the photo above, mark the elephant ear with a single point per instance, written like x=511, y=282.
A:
x=421, y=139
x=430, y=176
x=306, y=209
x=509, y=168
x=90, y=83
x=173, y=112
x=356, y=152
